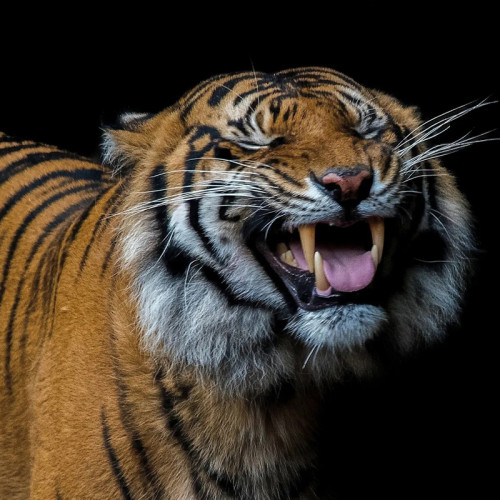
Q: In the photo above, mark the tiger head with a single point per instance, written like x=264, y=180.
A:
x=287, y=223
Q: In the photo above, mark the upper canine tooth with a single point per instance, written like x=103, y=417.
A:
x=307, y=234
x=377, y=228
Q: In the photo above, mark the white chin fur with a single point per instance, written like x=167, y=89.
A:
x=339, y=327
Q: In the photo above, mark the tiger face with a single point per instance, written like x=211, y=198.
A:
x=286, y=224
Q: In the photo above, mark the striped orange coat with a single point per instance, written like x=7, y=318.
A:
x=168, y=329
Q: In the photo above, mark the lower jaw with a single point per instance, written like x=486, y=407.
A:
x=301, y=286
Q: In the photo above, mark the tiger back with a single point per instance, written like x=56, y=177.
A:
x=169, y=327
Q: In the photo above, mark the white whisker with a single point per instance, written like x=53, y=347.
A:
x=171, y=235
x=315, y=349
x=186, y=282
x=446, y=149
x=437, y=124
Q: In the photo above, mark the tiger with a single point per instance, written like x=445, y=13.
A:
x=174, y=315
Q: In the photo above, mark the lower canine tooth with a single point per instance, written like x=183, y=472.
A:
x=321, y=281
x=375, y=255
x=377, y=228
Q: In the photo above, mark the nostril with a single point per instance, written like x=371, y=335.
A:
x=333, y=181
x=347, y=184
x=334, y=188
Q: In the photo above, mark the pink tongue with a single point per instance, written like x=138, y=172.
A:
x=347, y=267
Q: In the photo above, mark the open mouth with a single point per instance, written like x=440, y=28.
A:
x=322, y=264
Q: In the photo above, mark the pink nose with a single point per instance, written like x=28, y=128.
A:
x=348, y=184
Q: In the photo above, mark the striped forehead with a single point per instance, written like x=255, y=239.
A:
x=240, y=92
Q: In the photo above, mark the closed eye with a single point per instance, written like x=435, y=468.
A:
x=371, y=126
x=368, y=133
x=253, y=146
x=374, y=134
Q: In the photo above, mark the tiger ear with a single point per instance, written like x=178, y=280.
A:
x=125, y=141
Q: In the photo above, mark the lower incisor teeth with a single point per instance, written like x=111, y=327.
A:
x=288, y=258
x=377, y=228
x=321, y=281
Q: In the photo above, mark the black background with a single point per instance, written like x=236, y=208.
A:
x=430, y=429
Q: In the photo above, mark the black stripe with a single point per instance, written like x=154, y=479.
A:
x=172, y=420
x=174, y=259
x=76, y=175
x=110, y=204
x=48, y=257
x=35, y=287
x=113, y=460
x=224, y=483
x=388, y=186
x=194, y=95
x=400, y=131
x=218, y=281
x=76, y=228
x=177, y=262
x=313, y=72
x=194, y=220
x=62, y=217
x=386, y=165
x=221, y=91
x=66, y=244
x=238, y=125
x=107, y=257
x=36, y=158
x=350, y=99
x=291, y=180
x=175, y=426
x=275, y=108
x=194, y=155
x=277, y=281
x=240, y=486
x=225, y=205
x=260, y=95
x=125, y=410
x=318, y=94
x=18, y=147
x=289, y=196
x=158, y=182
x=25, y=223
